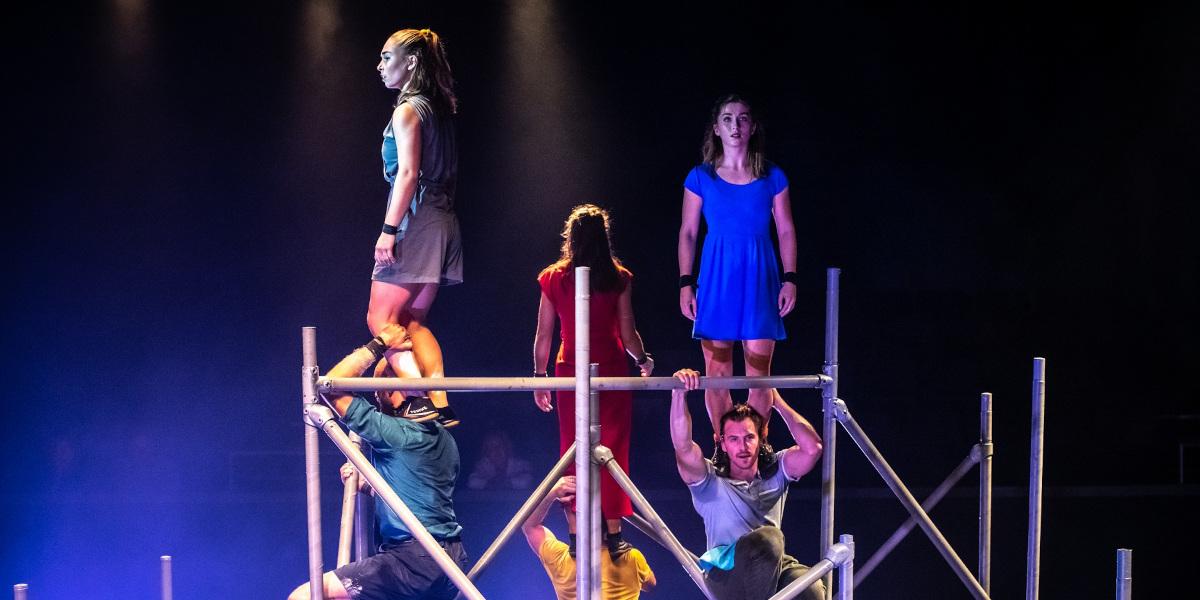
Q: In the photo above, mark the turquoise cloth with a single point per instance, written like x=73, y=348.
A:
x=418, y=460
x=720, y=557
x=737, y=292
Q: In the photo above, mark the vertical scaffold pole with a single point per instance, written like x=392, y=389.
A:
x=829, y=422
x=312, y=464
x=985, y=492
x=584, y=549
x=167, y=586
x=349, y=504
x=594, y=473
x=1033, y=554
x=364, y=518
x=846, y=570
x=21, y=591
x=1124, y=574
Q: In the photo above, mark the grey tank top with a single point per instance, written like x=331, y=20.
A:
x=439, y=156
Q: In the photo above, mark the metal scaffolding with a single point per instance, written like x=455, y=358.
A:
x=589, y=456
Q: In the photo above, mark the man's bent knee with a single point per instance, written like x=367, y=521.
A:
x=764, y=542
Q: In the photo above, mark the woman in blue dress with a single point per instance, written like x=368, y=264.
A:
x=739, y=294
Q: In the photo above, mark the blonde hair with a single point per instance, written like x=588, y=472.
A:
x=431, y=77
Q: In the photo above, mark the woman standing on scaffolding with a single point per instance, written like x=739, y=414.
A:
x=420, y=247
x=613, y=333
x=739, y=294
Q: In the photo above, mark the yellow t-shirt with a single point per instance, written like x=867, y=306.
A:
x=618, y=581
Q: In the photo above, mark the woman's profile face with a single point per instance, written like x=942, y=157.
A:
x=395, y=66
x=734, y=125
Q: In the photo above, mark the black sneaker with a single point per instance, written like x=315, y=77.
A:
x=619, y=549
x=419, y=409
x=447, y=417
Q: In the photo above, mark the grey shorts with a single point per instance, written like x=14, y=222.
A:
x=430, y=252
x=401, y=572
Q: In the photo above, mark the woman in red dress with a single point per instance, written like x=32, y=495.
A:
x=586, y=243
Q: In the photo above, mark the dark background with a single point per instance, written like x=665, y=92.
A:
x=188, y=186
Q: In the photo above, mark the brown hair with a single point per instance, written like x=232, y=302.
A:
x=766, y=454
x=431, y=77
x=712, y=152
x=587, y=243
x=741, y=412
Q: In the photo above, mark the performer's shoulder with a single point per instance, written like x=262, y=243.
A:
x=552, y=271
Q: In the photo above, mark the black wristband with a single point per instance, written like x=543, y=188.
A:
x=687, y=280
x=390, y=229
x=536, y=374
x=377, y=347
x=791, y=277
x=645, y=358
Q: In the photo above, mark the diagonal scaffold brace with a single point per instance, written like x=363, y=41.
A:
x=526, y=509
x=322, y=417
x=875, y=457
x=318, y=416
x=662, y=533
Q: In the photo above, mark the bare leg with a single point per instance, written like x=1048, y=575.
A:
x=425, y=346
x=333, y=589
x=409, y=305
x=718, y=362
x=387, y=303
x=613, y=525
x=758, y=355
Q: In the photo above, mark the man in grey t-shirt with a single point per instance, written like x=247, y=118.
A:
x=741, y=496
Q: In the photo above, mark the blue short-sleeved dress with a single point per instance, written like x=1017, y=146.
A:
x=738, y=285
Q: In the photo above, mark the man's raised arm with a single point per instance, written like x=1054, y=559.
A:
x=807, y=450
x=393, y=337
x=688, y=457
x=535, y=532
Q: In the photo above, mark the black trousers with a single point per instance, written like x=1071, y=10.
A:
x=760, y=568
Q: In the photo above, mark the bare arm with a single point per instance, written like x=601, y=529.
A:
x=781, y=209
x=689, y=230
x=650, y=582
x=688, y=457
x=394, y=337
x=541, y=348
x=535, y=532
x=629, y=333
x=807, y=450
x=406, y=127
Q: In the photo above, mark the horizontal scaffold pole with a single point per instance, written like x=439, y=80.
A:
x=327, y=385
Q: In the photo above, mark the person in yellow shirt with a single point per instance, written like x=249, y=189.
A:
x=624, y=574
